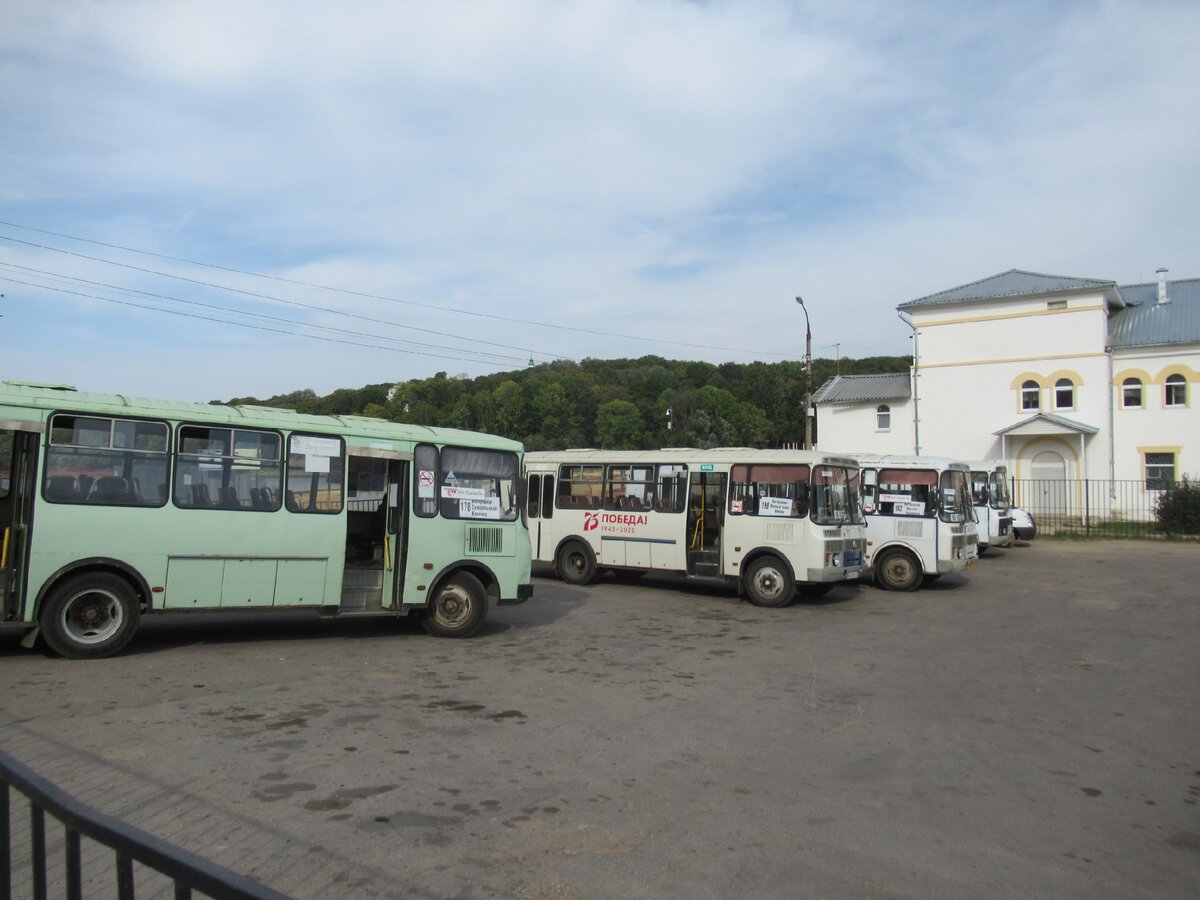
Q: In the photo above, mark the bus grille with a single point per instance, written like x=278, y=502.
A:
x=844, y=544
x=485, y=540
x=913, y=528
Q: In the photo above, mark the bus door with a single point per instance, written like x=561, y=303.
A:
x=539, y=506
x=18, y=463
x=705, y=522
x=375, y=531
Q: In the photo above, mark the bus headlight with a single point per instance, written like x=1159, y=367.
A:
x=834, y=560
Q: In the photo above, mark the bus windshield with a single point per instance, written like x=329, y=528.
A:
x=956, y=497
x=835, y=497
x=979, y=488
x=1000, y=496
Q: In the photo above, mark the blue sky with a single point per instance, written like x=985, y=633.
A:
x=458, y=186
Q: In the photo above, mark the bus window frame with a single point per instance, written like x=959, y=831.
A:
x=313, y=509
x=178, y=455
x=48, y=448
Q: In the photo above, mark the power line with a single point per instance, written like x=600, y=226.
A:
x=187, y=315
x=267, y=297
x=254, y=315
x=349, y=292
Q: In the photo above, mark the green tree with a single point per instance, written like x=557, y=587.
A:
x=619, y=426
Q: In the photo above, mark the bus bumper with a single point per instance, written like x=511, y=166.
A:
x=842, y=573
x=954, y=565
x=524, y=592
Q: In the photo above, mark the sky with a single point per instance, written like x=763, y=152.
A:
x=202, y=200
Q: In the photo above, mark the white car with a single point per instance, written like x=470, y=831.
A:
x=1023, y=525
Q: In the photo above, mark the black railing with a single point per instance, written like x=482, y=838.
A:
x=1090, y=507
x=130, y=845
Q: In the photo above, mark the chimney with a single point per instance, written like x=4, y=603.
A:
x=1162, y=287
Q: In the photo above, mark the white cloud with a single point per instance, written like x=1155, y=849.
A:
x=682, y=169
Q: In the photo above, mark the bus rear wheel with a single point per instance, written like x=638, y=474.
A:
x=459, y=607
x=576, y=564
x=898, y=570
x=90, y=616
x=769, y=583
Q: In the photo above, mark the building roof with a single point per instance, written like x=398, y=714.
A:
x=859, y=388
x=1145, y=322
x=1048, y=423
x=1013, y=283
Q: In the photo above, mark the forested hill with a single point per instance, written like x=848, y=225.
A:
x=609, y=403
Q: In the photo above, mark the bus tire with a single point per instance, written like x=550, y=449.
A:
x=90, y=616
x=576, y=563
x=769, y=583
x=459, y=607
x=899, y=570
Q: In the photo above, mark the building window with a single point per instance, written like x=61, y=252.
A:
x=1064, y=394
x=1160, y=471
x=883, y=418
x=1031, y=396
x=1131, y=393
x=1176, y=391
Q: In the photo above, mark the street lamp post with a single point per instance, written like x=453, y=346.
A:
x=807, y=377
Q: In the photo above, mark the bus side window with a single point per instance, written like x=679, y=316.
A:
x=425, y=467
x=548, y=496
x=533, y=507
x=868, y=492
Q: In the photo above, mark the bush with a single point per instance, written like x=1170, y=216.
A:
x=1178, y=508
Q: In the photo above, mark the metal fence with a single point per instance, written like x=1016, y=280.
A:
x=1090, y=507
x=182, y=871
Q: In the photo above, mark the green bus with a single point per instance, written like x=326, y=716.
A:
x=113, y=508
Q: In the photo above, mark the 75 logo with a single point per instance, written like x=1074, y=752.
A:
x=591, y=521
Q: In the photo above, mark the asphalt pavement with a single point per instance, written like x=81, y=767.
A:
x=1031, y=729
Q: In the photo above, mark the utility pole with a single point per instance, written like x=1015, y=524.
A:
x=808, y=442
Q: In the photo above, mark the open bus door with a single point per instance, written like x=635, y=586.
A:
x=375, y=531
x=18, y=463
x=706, y=518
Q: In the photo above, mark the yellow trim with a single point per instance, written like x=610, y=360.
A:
x=1076, y=378
x=1189, y=374
x=1053, y=439
x=1014, y=359
x=1020, y=380
x=1144, y=450
x=1141, y=374
x=997, y=317
x=4, y=552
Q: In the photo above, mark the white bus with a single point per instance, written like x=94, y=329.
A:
x=773, y=521
x=920, y=520
x=993, y=505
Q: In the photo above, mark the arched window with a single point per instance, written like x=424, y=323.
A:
x=883, y=418
x=1064, y=394
x=1176, y=391
x=1031, y=393
x=1131, y=393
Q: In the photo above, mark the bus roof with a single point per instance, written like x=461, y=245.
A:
x=898, y=460
x=44, y=398
x=688, y=455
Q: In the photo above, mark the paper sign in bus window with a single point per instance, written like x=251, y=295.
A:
x=425, y=479
x=774, y=506
x=487, y=508
x=316, y=446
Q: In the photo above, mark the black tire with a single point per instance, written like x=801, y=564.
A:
x=815, y=590
x=459, y=607
x=982, y=548
x=90, y=616
x=898, y=570
x=769, y=583
x=576, y=563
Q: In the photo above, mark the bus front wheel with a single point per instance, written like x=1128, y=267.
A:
x=459, y=607
x=768, y=583
x=576, y=564
x=90, y=616
x=899, y=570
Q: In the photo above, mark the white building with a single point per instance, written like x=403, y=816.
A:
x=1060, y=378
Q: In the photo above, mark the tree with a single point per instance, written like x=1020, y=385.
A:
x=619, y=426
